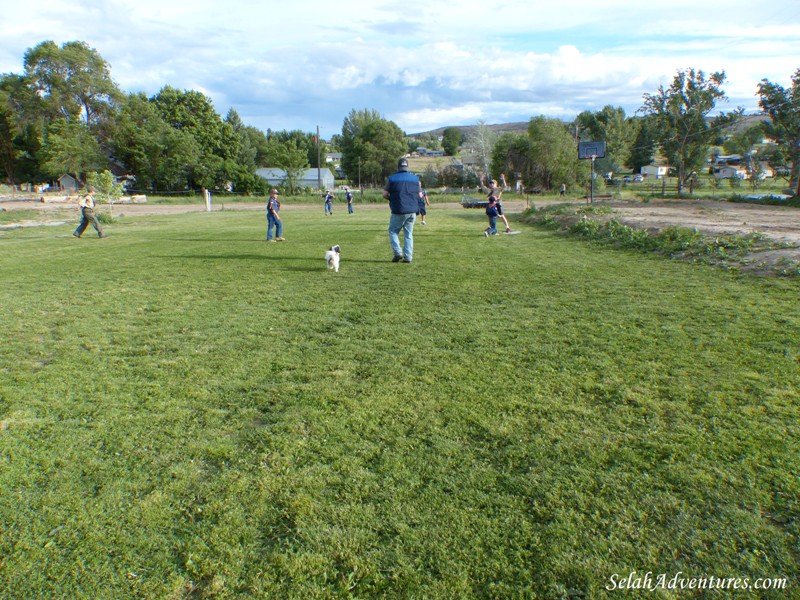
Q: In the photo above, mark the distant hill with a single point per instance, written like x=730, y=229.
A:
x=746, y=122
x=467, y=129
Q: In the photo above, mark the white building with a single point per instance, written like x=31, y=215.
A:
x=657, y=171
x=310, y=178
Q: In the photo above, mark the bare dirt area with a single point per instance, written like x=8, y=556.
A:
x=779, y=226
x=780, y=223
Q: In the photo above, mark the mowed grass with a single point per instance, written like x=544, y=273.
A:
x=187, y=411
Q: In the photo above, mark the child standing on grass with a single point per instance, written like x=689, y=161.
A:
x=423, y=202
x=328, y=202
x=273, y=219
x=495, y=208
x=491, y=212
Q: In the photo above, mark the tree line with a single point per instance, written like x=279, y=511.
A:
x=65, y=114
x=674, y=122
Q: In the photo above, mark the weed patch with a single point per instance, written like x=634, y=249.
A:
x=727, y=252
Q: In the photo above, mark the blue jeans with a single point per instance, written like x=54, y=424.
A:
x=492, y=230
x=406, y=223
x=350, y=208
x=273, y=221
x=328, y=208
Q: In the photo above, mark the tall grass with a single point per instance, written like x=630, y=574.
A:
x=187, y=411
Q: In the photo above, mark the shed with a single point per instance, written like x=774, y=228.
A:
x=68, y=183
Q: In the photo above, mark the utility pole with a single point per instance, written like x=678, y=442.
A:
x=319, y=163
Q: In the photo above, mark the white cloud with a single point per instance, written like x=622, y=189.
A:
x=297, y=65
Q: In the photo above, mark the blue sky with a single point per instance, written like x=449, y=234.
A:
x=421, y=64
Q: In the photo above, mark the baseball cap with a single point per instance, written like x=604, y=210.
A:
x=402, y=164
x=273, y=191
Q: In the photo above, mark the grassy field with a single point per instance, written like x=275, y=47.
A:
x=187, y=411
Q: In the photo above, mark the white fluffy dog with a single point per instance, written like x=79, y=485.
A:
x=332, y=258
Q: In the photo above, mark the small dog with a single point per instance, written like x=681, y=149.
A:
x=332, y=258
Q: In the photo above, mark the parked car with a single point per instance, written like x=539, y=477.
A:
x=638, y=178
x=627, y=179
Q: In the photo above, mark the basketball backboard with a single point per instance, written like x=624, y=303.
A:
x=591, y=149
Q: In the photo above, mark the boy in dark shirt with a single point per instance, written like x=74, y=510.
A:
x=495, y=193
x=492, y=213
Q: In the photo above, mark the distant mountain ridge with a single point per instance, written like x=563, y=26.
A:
x=746, y=122
x=520, y=127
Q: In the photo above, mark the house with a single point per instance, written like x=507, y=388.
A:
x=728, y=159
x=657, y=171
x=67, y=183
x=308, y=178
x=730, y=172
x=334, y=158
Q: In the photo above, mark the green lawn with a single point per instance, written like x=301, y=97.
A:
x=187, y=411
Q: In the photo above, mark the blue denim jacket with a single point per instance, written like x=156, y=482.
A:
x=403, y=188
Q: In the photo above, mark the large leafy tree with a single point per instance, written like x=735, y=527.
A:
x=246, y=151
x=71, y=148
x=313, y=147
x=158, y=155
x=19, y=135
x=193, y=112
x=290, y=155
x=77, y=104
x=644, y=144
x=545, y=158
x=73, y=80
x=680, y=113
x=783, y=107
x=612, y=126
x=370, y=146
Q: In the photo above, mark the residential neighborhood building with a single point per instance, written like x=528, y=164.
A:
x=309, y=178
x=67, y=183
x=657, y=171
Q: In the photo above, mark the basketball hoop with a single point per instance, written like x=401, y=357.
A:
x=591, y=150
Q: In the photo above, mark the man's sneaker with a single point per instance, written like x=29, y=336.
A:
x=76, y=235
x=405, y=260
x=281, y=239
x=397, y=258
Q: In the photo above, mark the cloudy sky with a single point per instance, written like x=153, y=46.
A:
x=422, y=64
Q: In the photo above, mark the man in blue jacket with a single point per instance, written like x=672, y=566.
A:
x=402, y=191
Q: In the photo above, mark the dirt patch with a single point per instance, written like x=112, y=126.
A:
x=778, y=225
